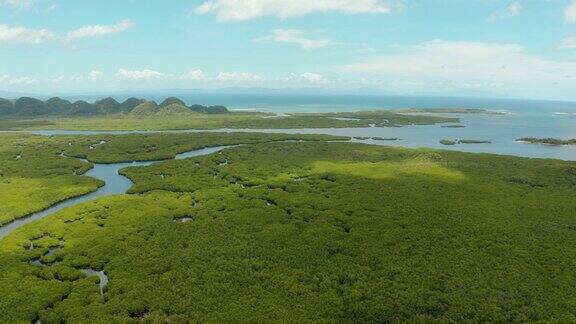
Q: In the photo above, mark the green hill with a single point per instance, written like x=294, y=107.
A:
x=58, y=106
x=6, y=107
x=27, y=106
x=130, y=104
x=147, y=108
x=32, y=107
x=170, y=101
x=107, y=106
x=174, y=110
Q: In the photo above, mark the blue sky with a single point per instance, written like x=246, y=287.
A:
x=524, y=48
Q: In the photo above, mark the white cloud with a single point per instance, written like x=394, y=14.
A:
x=467, y=64
x=568, y=43
x=512, y=10
x=58, y=79
x=17, y=3
x=12, y=80
x=19, y=34
x=95, y=75
x=570, y=13
x=145, y=74
x=195, y=75
x=99, y=30
x=308, y=77
x=295, y=36
x=239, y=77
x=241, y=10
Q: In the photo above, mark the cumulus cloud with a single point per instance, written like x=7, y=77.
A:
x=298, y=37
x=19, y=34
x=145, y=74
x=239, y=77
x=58, y=79
x=241, y=10
x=12, y=80
x=95, y=75
x=512, y=10
x=99, y=30
x=468, y=63
x=570, y=13
x=17, y=3
x=194, y=75
x=25, y=35
x=308, y=77
x=568, y=43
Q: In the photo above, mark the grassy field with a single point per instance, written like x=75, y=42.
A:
x=231, y=120
x=299, y=232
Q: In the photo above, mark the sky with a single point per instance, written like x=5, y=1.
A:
x=493, y=48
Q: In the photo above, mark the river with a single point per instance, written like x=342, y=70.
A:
x=115, y=184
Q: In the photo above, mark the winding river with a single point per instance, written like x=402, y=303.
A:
x=114, y=184
x=501, y=131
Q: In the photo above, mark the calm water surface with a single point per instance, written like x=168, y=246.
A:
x=115, y=184
x=501, y=130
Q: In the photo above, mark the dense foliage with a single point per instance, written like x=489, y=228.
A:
x=34, y=176
x=302, y=232
x=150, y=116
x=31, y=107
x=382, y=118
x=36, y=171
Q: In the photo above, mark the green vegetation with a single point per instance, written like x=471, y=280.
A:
x=453, y=126
x=472, y=141
x=452, y=111
x=463, y=141
x=147, y=108
x=135, y=114
x=31, y=107
x=547, y=141
x=174, y=110
x=377, y=138
x=163, y=146
x=33, y=175
x=380, y=118
x=300, y=232
x=448, y=142
x=36, y=172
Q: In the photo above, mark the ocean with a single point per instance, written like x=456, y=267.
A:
x=523, y=118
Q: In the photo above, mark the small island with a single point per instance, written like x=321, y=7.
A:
x=448, y=142
x=463, y=141
x=472, y=141
x=451, y=111
x=377, y=138
x=547, y=141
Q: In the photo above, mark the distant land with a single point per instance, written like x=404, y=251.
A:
x=547, y=141
x=265, y=91
x=31, y=107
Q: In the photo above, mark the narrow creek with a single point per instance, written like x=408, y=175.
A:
x=114, y=184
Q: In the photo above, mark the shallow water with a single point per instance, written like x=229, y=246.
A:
x=115, y=184
x=101, y=275
x=501, y=130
